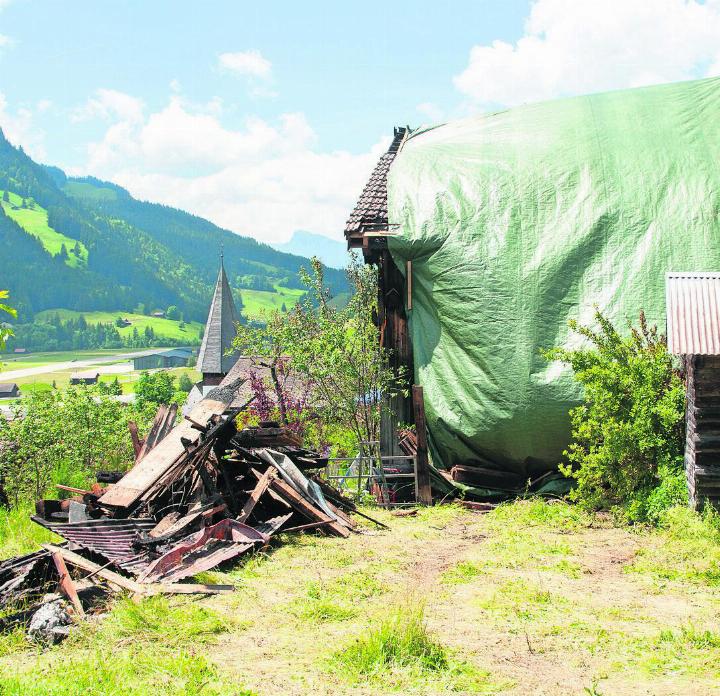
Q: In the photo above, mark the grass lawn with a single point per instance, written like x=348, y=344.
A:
x=532, y=598
x=167, y=328
x=35, y=221
x=257, y=302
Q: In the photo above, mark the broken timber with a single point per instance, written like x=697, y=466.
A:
x=161, y=458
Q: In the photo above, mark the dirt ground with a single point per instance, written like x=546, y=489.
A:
x=543, y=610
x=530, y=599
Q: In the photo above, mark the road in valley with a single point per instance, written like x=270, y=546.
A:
x=74, y=365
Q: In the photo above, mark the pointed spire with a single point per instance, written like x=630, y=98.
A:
x=219, y=329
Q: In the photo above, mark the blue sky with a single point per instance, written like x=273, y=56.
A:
x=267, y=119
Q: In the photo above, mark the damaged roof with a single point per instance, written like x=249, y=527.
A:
x=371, y=208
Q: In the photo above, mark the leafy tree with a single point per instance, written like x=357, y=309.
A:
x=172, y=312
x=112, y=388
x=185, y=383
x=6, y=197
x=5, y=328
x=627, y=436
x=155, y=388
x=63, y=435
x=335, y=351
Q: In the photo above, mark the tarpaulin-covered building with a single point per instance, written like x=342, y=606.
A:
x=493, y=231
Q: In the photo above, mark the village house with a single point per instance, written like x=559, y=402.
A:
x=89, y=377
x=9, y=390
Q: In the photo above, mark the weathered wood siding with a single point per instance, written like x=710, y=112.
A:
x=702, y=445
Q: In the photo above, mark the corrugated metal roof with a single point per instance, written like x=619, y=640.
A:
x=111, y=538
x=693, y=313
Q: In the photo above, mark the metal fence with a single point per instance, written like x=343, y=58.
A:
x=390, y=480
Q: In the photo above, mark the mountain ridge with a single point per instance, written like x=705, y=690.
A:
x=135, y=252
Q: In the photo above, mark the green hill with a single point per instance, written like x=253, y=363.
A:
x=167, y=328
x=121, y=254
x=34, y=220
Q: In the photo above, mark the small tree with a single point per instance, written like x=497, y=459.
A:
x=155, y=388
x=184, y=383
x=173, y=313
x=112, y=388
x=627, y=436
x=336, y=351
x=5, y=328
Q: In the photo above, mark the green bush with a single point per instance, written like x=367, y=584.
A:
x=64, y=436
x=627, y=435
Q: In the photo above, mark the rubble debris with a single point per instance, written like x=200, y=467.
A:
x=50, y=623
x=199, y=494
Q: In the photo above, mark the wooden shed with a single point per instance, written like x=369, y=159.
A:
x=9, y=390
x=90, y=377
x=693, y=331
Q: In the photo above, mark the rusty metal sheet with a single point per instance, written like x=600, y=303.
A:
x=203, y=550
x=111, y=538
x=693, y=313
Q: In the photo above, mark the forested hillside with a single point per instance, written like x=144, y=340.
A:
x=87, y=245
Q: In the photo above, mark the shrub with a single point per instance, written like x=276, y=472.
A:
x=155, y=388
x=627, y=435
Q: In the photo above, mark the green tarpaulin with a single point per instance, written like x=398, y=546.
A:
x=520, y=220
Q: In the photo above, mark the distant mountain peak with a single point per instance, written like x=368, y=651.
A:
x=331, y=252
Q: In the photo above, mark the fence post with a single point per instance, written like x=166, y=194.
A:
x=422, y=466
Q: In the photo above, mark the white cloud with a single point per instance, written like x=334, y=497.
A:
x=265, y=179
x=249, y=63
x=581, y=46
x=19, y=128
x=431, y=111
x=109, y=104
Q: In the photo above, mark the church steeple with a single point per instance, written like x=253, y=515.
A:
x=219, y=332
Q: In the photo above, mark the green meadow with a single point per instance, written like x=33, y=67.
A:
x=34, y=220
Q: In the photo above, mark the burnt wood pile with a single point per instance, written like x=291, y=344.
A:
x=200, y=493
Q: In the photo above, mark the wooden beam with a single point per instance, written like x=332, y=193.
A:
x=71, y=489
x=260, y=488
x=120, y=582
x=115, y=580
x=66, y=583
x=135, y=437
x=304, y=507
x=422, y=464
x=408, y=284
x=160, y=458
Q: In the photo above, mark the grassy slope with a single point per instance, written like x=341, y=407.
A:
x=257, y=302
x=35, y=221
x=83, y=190
x=531, y=598
x=162, y=327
